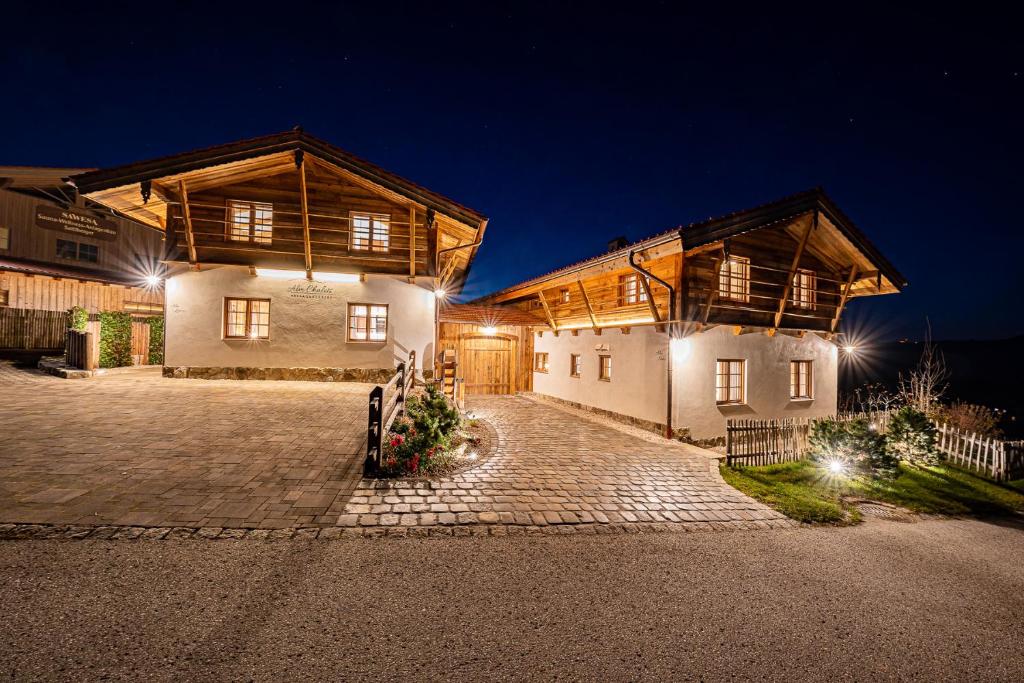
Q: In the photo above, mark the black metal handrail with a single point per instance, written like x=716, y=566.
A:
x=381, y=414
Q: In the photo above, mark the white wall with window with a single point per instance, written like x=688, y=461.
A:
x=222, y=316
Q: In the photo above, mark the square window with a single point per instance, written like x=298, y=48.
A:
x=801, y=379
x=370, y=232
x=575, y=364
x=805, y=290
x=540, y=362
x=631, y=291
x=563, y=295
x=88, y=252
x=367, y=322
x=605, y=368
x=734, y=279
x=250, y=222
x=67, y=249
x=246, y=318
x=730, y=380
x=5, y=238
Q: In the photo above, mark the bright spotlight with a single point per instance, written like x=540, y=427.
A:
x=836, y=466
x=489, y=330
x=850, y=349
x=439, y=293
x=152, y=280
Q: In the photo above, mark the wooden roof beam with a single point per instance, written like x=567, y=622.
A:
x=793, y=268
x=412, y=242
x=844, y=298
x=186, y=215
x=547, y=312
x=304, y=199
x=586, y=301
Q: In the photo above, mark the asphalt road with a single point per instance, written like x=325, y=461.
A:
x=937, y=600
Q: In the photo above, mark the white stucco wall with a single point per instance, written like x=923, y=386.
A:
x=767, y=366
x=307, y=329
x=638, y=385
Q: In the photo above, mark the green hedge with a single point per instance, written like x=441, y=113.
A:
x=115, y=340
x=156, y=340
x=78, y=318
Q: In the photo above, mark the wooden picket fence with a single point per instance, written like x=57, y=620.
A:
x=1000, y=460
x=766, y=442
x=31, y=330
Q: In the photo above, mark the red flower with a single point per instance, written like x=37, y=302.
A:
x=414, y=463
x=397, y=440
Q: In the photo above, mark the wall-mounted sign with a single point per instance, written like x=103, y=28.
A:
x=310, y=290
x=75, y=222
x=602, y=347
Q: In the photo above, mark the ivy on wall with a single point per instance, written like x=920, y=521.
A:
x=115, y=339
x=156, y=340
x=78, y=318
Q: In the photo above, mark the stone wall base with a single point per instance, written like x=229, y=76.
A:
x=369, y=375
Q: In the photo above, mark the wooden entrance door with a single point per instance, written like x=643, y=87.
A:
x=487, y=365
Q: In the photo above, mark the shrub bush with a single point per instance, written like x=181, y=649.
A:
x=115, y=339
x=852, y=442
x=78, y=318
x=419, y=440
x=968, y=417
x=911, y=437
x=156, y=340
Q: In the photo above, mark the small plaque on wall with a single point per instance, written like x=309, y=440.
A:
x=602, y=347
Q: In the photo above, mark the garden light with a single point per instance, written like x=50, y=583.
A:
x=472, y=456
x=836, y=466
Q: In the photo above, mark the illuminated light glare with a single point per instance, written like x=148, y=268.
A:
x=489, y=330
x=439, y=293
x=680, y=348
x=836, y=467
x=336, y=277
x=278, y=274
x=850, y=349
x=152, y=280
x=472, y=456
x=253, y=334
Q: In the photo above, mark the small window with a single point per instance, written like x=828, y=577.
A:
x=143, y=307
x=5, y=238
x=630, y=290
x=730, y=381
x=801, y=379
x=371, y=232
x=67, y=249
x=805, y=289
x=575, y=364
x=247, y=318
x=367, y=322
x=5, y=297
x=563, y=295
x=88, y=252
x=250, y=222
x=734, y=279
x=605, y=368
x=540, y=362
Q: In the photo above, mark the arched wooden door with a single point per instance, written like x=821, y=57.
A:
x=488, y=365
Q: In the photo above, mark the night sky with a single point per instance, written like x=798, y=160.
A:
x=569, y=126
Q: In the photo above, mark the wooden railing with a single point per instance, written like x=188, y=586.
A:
x=78, y=350
x=1000, y=460
x=31, y=330
x=383, y=412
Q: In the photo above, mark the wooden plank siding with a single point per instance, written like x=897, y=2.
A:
x=478, y=353
x=43, y=293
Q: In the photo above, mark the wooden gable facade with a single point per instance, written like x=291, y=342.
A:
x=291, y=201
x=791, y=265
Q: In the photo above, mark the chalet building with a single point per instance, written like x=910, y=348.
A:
x=290, y=258
x=58, y=251
x=728, y=318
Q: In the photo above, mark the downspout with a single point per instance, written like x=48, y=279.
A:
x=671, y=331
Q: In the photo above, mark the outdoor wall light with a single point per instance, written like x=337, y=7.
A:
x=279, y=274
x=336, y=277
x=152, y=280
x=680, y=348
x=489, y=330
x=850, y=349
x=439, y=293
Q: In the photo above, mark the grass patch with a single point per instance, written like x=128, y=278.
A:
x=807, y=493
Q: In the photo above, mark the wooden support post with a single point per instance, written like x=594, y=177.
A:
x=712, y=291
x=412, y=243
x=547, y=311
x=792, y=269
x=586, y=301
x=650, y=302
x=843, y=299
x=186, y=215
x=304, y=199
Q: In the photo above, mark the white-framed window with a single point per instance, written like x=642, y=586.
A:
x=370, y=232
x=5, y=238
x=630, y=290
x=801, y=379
x=540, y=362
x=367, y=322
x=805, y=289
x=730, y=381
x=575, y=364
x=250, y=221
x=563, y=295
x=604, y=365
x=246, y=318
x=734, y=279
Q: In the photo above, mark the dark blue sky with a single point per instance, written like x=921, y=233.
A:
x=569, y=125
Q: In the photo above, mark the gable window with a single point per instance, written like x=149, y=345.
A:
x=370, y=232
x=630, y=290
x=250, y=222
x=734, y=279
x=563, y=295
x=67, y=249
x=604, y=365
x=805, y=289
x=88, y=252
x=246, y=318
x=730, y=381
x=540, y=362
x=81, y=252
x=575, y=364
x=367, y=322
x=5, y=238
x=801, y=379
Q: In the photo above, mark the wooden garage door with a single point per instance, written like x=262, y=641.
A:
x=487, y=365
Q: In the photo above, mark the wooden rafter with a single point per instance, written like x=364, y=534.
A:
x=412, y=240
x=792, y=269
x=304, y=197
x=712, y=291
x=586, y=301
x=844, y=298
x=650, y=297
x=186, y=215
x=547, y=311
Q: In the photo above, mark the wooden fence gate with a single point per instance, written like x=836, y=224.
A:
x=32, y=330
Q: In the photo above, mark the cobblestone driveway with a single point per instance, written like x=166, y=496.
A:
x=556, y=466
x=139, y=449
